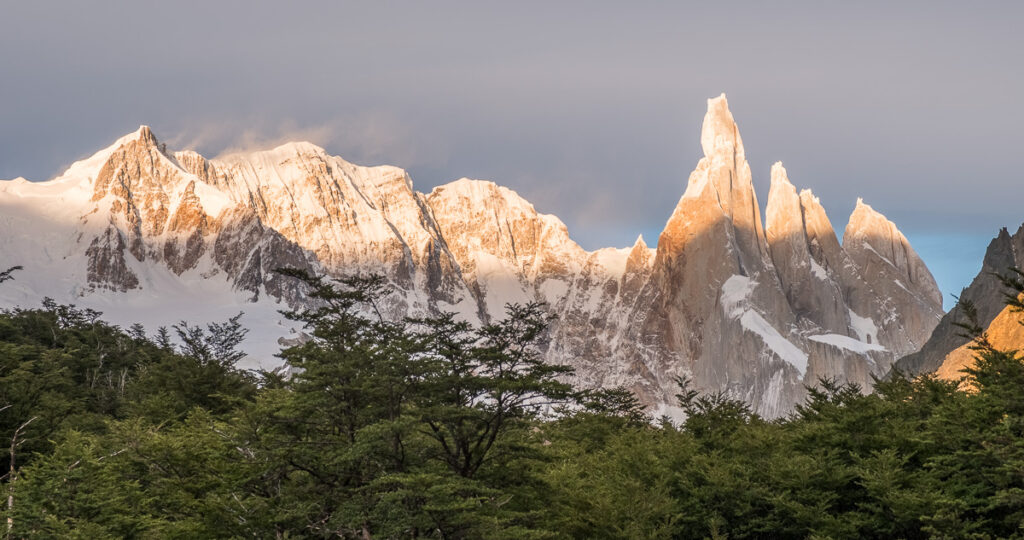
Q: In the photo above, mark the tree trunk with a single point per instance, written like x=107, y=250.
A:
x=12, y=475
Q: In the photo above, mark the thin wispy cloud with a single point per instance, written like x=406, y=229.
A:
x=367, y=138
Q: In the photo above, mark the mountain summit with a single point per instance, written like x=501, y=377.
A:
x=757, y=309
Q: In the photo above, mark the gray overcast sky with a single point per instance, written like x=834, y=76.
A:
x=590, y=110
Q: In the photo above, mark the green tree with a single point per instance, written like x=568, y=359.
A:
x=398, y=428
x=479, y=385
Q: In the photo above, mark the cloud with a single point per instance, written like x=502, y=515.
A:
x=369, y=138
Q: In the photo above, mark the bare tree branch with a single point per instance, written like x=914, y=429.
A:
x=6, y=274
x=12, y=474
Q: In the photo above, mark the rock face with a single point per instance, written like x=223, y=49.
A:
x=760, y=312
x=756, y=309
x=946, y=351
x=505, y=250
x=1004, y=332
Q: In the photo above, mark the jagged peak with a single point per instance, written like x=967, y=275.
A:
x=779, y=174
x=1000, y=244
x=806, y=195
x=816, y=221
x=871, y=232
x=639, y=256
x=781, y=179
x=1004, y=235
x=722, y=145
x=719, y=131
x=867, y=222
x=863, y=211
x=782, y=209
x=85, y=170
x=145, y=133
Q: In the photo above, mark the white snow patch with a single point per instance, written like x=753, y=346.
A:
x=163, y=300
x=818, y=271
x=864, y=327
x=553, y=290
x=501, y=284
x=848, y=343
x=871, y=248
x=464, y=310
x=612, y=260
x=214, y=201
x=674, y=413
x=735, y=292
x=735, y=302
x=782, y=347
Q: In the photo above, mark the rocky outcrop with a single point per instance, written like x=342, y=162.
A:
x=713, y=281
x=351, y=219
x=759, y=312
x=899, y=278
x=506, y=251
x=946, y=350
x=804, y=248
x=250, y=253
x=145, y=195
x=106, y=265
x=756, y=309
x=1005, y=332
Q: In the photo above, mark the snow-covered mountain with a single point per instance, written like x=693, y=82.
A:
x=757, y=309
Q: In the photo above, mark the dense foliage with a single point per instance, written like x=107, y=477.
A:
x=433, y=428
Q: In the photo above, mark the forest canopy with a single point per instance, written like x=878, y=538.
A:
x=435, y=428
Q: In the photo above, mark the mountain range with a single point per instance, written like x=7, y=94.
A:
x=757, y=308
